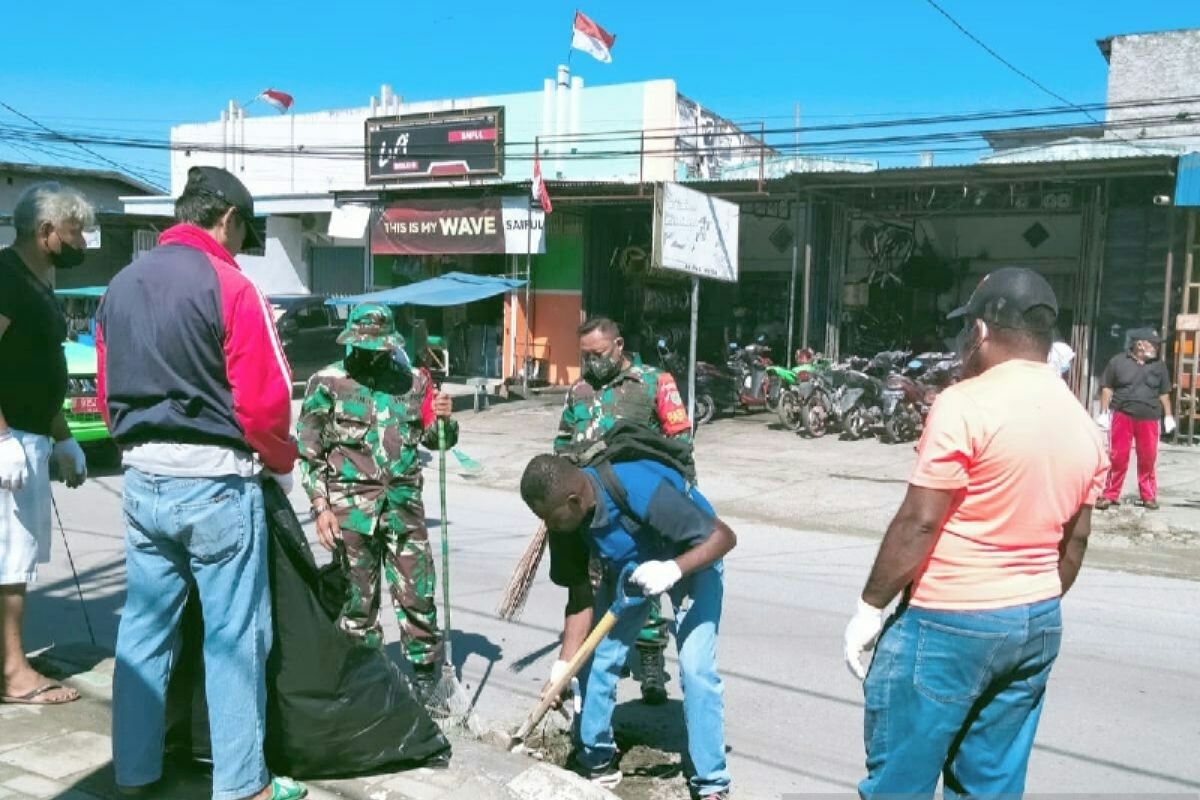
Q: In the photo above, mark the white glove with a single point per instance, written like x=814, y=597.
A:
x=860, y=637
x=72, y=464
x=1104, y=419
x=656, y=577
x=556, y=672
x=1169, y=424
x=283, y=479
x=13, y=467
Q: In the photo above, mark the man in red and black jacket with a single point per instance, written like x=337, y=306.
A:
x=197, y=393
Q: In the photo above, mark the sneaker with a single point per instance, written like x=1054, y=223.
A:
x=1104, y=504
x=721, y=795
x=607, y=776
x=287, y=789
x=654, y=676
x=1150, y=505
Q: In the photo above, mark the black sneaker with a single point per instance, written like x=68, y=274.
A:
x=1150, y=505
x=654, y=676
x=1103, y=504
x=607, y=776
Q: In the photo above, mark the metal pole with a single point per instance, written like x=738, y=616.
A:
x=1170, y=269
x=692, y=353
x=792, y=301
x=528, y=283
x=512, y=326
x=808, y=257
x=292, y=117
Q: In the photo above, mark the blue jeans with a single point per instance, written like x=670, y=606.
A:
x=957, y=694
x=695, y=628
x=210, y=533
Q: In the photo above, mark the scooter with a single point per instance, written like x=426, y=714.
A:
x=908, y=396
x=716, y=389
x=751, y=364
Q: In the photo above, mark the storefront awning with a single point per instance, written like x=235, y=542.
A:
x=451, y=289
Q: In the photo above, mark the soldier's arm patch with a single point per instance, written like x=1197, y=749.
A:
x=672, y=413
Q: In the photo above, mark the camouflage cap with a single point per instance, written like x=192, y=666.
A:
x=371, y=326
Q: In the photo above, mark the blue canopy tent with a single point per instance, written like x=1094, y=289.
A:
x=451, y=289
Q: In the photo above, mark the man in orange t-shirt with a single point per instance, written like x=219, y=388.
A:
x=990, y=535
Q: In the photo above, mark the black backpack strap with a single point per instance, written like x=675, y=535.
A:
x=612, y=485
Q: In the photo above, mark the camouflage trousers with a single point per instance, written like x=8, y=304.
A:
x=388, y=536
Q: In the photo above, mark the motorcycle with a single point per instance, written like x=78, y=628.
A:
x=717, y=390
x=908, y=396
x=751, y=364
x=800, y=383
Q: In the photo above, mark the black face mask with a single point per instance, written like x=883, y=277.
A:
x=599, y=370
x=368, y=363
x=967, y=343
x=67, y=257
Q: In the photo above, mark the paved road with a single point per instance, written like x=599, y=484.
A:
x=1121, y=714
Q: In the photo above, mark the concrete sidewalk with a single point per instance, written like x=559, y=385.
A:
x=65, y=753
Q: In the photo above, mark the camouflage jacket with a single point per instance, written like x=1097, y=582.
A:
x=359, y=441
x=643, y=394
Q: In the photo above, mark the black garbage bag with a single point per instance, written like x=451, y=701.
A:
x=334, y=707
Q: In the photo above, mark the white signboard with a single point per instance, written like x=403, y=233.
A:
x=695, y=233
x=524, y=228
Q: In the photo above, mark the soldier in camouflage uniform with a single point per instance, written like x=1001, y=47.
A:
x=359, y=428
x=614, y=388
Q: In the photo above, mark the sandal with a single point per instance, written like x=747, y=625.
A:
x=32, y=698
x=287, y=789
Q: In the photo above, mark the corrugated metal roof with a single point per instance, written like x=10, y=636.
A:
x=1082, y=149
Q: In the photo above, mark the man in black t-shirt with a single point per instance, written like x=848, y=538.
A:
x=1134, y=396
x=50, y=220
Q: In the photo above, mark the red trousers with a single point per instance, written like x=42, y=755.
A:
x=1142, y=434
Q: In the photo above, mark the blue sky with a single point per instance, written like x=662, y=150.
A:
x=141, y=68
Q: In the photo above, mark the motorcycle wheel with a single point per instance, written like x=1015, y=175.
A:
x=855, y=425
x=706, y=409
x=791, y=412
x=774, y=392
x=816, y=419
x=893, y=430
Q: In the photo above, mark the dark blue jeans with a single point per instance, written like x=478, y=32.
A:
x=957, y=695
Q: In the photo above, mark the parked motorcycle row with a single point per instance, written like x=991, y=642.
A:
x=887, y=396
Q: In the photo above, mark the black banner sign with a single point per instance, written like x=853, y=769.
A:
x=453, y=144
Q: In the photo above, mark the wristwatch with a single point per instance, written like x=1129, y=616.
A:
x=319, y=507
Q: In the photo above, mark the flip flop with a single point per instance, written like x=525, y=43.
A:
x=287, y=789
x=31, y=698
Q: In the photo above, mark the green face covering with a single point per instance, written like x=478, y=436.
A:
x=599, y=370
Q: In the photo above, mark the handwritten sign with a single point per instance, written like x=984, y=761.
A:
x=695, y=233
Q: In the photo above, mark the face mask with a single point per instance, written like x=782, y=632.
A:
x=368, y=363
x=967, y=345
x=599, y=370
x=67, y=257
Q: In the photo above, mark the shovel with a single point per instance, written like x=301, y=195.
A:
x=621, y=603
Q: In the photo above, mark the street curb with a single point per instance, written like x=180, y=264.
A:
x=479, y=769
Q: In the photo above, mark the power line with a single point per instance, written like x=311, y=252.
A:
x=105, y=159
x=1017, y=69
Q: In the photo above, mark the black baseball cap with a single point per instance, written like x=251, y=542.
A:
x=1006, y=295
x=1144, y=335
x=223, y=184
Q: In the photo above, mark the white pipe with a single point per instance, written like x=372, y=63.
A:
x=560, y=116
x=547, y=108
x=224, y=139
x=576, y=102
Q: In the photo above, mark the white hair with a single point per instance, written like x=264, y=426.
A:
x=54, y=203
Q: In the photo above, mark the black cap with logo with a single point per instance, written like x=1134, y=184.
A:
x=216, y=182
x=1143, y=335
x=1006, y=295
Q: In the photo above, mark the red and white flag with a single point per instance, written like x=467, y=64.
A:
x=280, y=101
x=539, y=192
x=592, y=39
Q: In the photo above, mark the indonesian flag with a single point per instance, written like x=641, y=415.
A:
x=539, y=192
x=592, y=39
x=280, y=101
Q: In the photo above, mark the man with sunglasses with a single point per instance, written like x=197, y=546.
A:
x=614, y=388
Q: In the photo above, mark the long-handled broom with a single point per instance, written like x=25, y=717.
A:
x=512, y=603
x=449, y=702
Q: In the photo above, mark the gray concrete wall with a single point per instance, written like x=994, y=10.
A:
x=1155, y=65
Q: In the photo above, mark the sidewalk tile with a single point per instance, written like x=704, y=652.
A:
x=60, y=756
x=34, y=786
